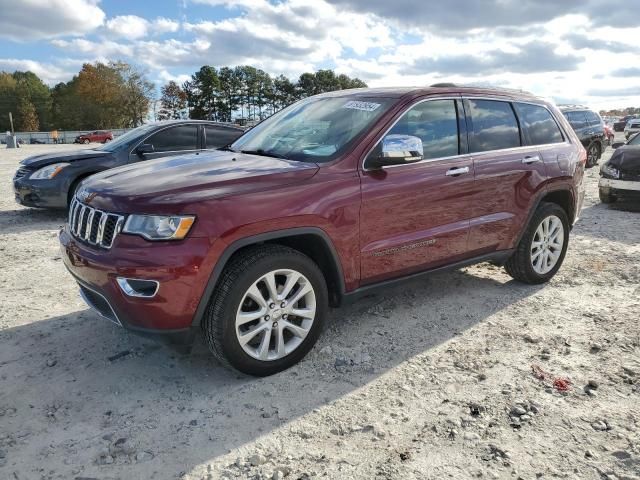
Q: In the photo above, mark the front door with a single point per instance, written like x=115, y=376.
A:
x=416, y=216
x=177, y=140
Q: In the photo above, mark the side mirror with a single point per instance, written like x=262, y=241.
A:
x=396, y=149
x=144, y=149
x=617, y=145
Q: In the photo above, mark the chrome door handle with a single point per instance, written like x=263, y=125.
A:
x=454, y=172
x=531, y=159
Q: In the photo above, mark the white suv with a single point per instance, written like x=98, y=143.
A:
x=633, y=127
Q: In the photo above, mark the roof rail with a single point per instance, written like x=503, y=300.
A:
x=572, y=105
x=443, y=85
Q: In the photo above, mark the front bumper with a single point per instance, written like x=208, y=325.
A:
x=39, y=193
x=623, y=188
x=181, y=268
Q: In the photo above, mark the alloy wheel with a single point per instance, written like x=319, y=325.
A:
x=275, y=314
x=592, y=155
x=546, y=246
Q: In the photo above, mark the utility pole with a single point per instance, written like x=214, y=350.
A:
x=11, y=122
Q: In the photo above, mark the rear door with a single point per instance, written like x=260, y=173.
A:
x=508, y=174
x=216, y=136
x=415, y=216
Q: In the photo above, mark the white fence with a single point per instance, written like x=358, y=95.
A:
x=64, y=136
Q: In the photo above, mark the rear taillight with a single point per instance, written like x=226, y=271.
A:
x=583, y=156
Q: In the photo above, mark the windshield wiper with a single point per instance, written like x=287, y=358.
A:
x=227, y=148
x=264, y=153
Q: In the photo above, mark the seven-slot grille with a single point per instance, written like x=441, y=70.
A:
x=92, y=225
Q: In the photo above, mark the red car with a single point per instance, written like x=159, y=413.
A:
x=609, y=133
x=327, y=200
x=100, y=136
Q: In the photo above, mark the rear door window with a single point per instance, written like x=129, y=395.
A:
x=495, y=126
x=593, y=118
x=539, y=124
x=174, y=139
x=217, y=137
x=435, y=122
x=578, y=120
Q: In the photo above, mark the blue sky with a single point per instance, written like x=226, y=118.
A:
x=573, y=51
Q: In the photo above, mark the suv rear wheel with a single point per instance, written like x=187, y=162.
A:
x=543, y=246
x=267, y=310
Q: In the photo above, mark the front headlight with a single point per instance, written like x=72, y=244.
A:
x=610, y=171
x=48, y=172
x=159, y=227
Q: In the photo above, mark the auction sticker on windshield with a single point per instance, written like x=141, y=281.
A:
x=366, y=106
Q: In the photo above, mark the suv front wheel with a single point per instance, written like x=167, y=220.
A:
x=267, y=310
x=543, y=246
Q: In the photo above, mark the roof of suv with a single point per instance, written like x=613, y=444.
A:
x=446, y=88
x=573, y=108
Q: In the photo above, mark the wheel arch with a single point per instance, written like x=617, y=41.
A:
x=312, y=241
x=75, y=182
x=562, y=196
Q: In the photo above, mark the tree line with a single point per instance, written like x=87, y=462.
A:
x=100, y=96
x=243, y=92
x=117, y=95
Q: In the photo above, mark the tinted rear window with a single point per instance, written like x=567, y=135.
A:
x=540, y=126
x=577, y=120
x=593, y=118
x=494, y=126
x=217, y=137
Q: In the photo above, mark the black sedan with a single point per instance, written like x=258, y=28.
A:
x=51, y=180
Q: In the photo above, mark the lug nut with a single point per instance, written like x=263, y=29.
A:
x=266, y=317
x=284, y=316
x=283, y=304
x=272, y=305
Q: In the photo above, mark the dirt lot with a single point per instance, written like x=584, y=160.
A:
x=431, y=381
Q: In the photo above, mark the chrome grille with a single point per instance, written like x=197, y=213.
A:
x=23, y=172
x=93, y=226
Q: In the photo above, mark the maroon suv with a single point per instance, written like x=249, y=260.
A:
x=329, y=198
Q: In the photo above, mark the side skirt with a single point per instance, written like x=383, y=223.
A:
x=498, y=258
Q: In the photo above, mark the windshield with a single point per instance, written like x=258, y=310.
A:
x=635, y=140
x=125, y=139
x=314, y=129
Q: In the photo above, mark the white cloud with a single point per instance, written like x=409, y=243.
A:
x=128, y=26
x=29, y=20
x=164, y=25
x=49, y=73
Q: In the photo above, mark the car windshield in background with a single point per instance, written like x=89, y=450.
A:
x=635, y=140
x=125, y=139
x=313, y=130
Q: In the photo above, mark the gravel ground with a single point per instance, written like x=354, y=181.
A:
x=433, y=380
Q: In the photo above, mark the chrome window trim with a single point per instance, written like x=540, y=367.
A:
x=465, y=155
x=163, y=129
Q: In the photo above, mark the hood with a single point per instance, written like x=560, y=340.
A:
x=626, y=158
x=45, y=159
x=167, y=184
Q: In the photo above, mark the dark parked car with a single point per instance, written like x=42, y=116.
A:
x=590, y=130
x=97, y=136
x=620, y=124
x=620, y=176
x=50, y=180
x=324, y=201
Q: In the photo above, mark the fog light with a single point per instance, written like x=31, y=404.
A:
x=138, y=288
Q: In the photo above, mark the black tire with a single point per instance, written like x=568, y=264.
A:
x=593, y=155
x=86, y=141
x=606, y=197
x=243, y=270
x=519, y=265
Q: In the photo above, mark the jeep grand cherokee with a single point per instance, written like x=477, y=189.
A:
x=328, y=199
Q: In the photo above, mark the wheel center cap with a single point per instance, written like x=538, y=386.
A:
x=276, y=314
